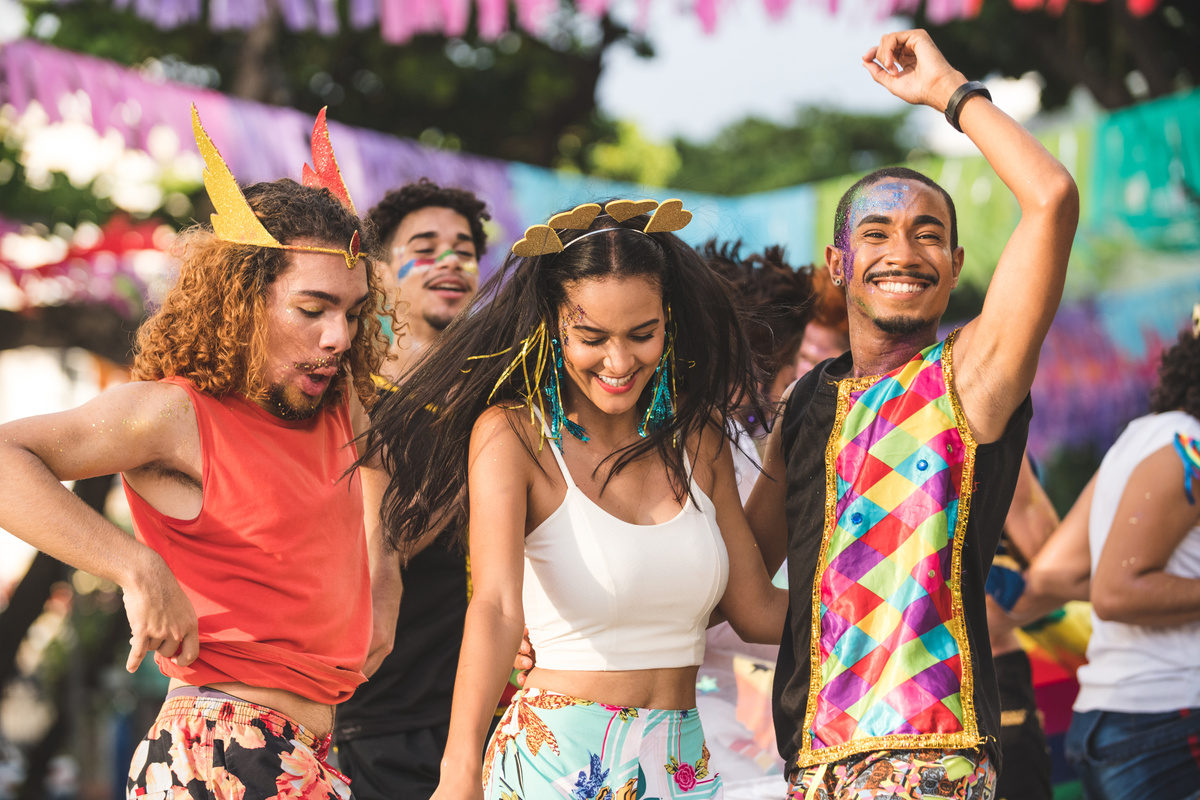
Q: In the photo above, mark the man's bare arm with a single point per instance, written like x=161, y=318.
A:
x=386, y=584
x=765, y=510
x=147, y=427
x=996, y=354
x=1062, y=569
x=1031, y=516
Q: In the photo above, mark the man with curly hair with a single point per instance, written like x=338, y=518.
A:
x=248, y=579
x=432, y=238
x=391, y=733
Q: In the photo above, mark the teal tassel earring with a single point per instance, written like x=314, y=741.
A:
x=662, y=390
x=553, y=390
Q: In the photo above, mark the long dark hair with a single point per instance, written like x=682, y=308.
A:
x=423, y=430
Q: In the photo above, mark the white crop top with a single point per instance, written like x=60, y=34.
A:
x=603, y=594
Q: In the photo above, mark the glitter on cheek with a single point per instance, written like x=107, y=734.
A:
x=842, y=242
x=573, y=315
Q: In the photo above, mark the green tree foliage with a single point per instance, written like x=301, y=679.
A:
x=756, y=155
x=513, y=98
x=1120, y=58
x=630, y=156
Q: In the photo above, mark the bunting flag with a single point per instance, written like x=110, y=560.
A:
x=400, y=20
x=1099, y=359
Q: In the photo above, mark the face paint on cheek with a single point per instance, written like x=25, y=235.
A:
x=415, y=263
x=402, y=273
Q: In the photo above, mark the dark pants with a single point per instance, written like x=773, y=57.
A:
x=398, y=766
x=1025, y=767
x=1123, y=756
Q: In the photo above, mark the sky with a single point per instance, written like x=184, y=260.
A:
x=698, y=82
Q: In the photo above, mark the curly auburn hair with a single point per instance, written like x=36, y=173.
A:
x=211, y=327
x=1178, y=387
x=389, y=212
x=775, y=300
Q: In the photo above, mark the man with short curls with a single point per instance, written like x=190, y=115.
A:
x=432, y=238
x=391, y=733
x=248, y=579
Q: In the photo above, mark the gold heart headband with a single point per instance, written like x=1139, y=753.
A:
x=541, y=240
x=235, y=222
x=1196, y=321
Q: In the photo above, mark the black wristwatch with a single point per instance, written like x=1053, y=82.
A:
x=959, y=97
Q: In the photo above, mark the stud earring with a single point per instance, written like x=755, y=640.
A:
x=837, y=281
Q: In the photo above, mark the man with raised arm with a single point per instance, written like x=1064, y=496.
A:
x=249, y=577
x=890, y=473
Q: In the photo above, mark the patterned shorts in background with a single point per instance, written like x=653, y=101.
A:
x=899, y=775
x=207, y=748
x=550, y=746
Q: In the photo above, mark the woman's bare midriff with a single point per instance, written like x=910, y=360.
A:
x=673, y=688
x=316, y=718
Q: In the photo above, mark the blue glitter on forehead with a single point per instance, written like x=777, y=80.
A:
x=876, y=198
x=880, y=197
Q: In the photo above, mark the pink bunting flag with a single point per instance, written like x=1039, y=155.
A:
x=706, y=10
x=492, y=18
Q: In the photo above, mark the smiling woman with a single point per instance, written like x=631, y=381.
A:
x=582, y=404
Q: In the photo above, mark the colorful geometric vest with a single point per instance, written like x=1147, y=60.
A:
x=891, y=665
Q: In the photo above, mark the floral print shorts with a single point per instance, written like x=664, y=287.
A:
x=550, y=746
x=899, y=775
x=222, y=748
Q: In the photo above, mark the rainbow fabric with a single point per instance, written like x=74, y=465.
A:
x=891, y=664
x=1189, y=451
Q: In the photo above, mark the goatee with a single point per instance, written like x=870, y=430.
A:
x=901, y=326
x=285, y=409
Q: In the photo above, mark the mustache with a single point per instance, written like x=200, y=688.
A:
x=320, y=363
x=900, y=273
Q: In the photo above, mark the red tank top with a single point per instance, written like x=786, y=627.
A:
x=276, y=562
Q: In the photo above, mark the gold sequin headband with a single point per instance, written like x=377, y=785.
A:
x=541, y=240
x=235, y=222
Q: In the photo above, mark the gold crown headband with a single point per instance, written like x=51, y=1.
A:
x=235, y=222
x=541, y=240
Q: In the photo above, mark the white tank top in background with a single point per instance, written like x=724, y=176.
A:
x=606, y=595
x=1137, y=668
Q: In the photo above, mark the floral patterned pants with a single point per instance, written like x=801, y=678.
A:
x=221, y=748
x=551, y=746
x=899, y=775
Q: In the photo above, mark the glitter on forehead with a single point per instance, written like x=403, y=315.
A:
x=876, y=198
x=573, y=315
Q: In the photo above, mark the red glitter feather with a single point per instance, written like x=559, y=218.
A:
x=325, y=173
